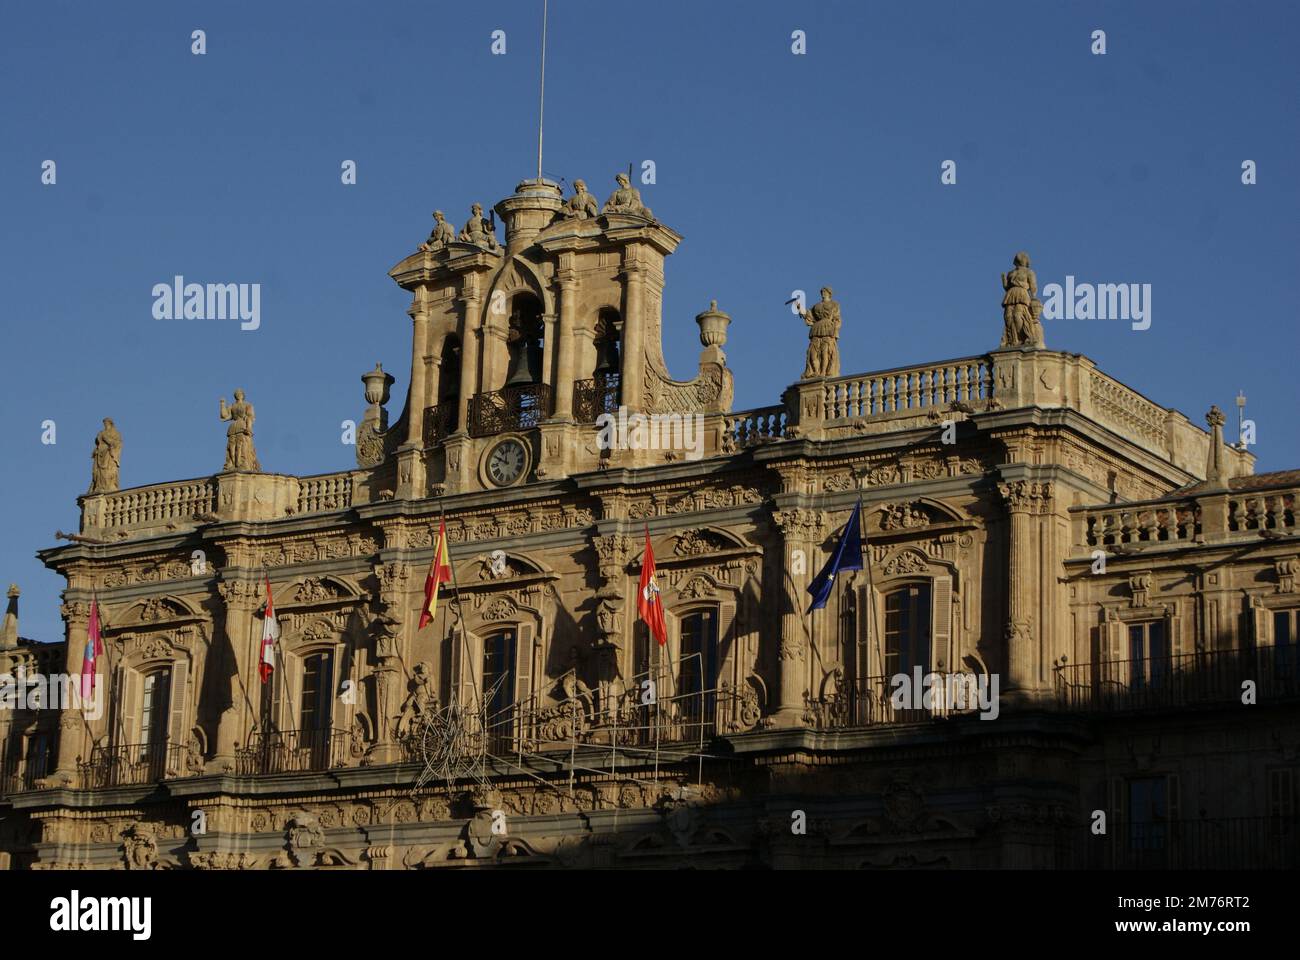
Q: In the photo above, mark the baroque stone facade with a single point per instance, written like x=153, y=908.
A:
x=1118, y=570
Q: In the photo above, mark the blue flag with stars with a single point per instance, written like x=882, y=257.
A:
x=846, y=556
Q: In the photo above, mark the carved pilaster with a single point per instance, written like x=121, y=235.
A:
x=801, y=530
x=1025, y=500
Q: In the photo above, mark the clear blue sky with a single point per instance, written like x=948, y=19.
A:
x=781, y=171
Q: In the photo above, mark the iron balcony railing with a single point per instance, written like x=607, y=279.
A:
x=875, y=701
x=1238, y=843
x=1203, y=677
x=514, y=408
x=593, y=397
x=292, y=751
x=19, y=774
x=131, y=764
x=440, y=421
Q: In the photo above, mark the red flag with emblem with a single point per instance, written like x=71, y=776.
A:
x=648, y=602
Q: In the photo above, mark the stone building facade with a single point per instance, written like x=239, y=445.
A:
x=1118, y=572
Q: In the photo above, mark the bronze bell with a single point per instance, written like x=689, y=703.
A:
x=606, y=357
x=525, y=363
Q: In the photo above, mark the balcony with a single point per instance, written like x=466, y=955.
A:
x=514, y=408
x=869, y=702
x=292, y=751
x=1187, y=680
x=1240, y=843
x=133, y=764
x=593, y=397
x=17, y=776
x=440, y=421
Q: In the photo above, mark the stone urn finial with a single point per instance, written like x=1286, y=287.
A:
x=713, y=326
x=377, y=383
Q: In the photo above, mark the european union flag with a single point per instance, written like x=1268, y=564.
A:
x=847, y=556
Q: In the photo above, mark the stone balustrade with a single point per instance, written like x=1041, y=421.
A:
x=1100, y=528
x=325, y=492
x=748, y=428
x=155, y=505
x=163, y=508
x=865, y=395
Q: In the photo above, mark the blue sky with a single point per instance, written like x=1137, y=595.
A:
x=781, y=171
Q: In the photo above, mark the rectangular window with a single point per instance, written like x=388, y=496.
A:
x=153, y=708
x=907, y=630
x=317, y=692
x=1284, y=644
x=697, y=672
x=499, y=690
x=1148, y=654
x=1281, y=800
x=1148, y=818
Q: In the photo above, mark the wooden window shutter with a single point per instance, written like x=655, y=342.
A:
x=941, y=624
x=726, y=658
x=1175, y=626
x=279, y=697
x=1261, y=622
x=178, y=706
x=523, y=663
x=124, y=724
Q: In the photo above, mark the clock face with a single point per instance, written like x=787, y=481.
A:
x=505, y=464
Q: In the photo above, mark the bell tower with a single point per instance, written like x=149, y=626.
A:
x=518, y=348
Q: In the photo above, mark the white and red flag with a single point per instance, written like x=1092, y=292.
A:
x=439, y=573
x=648, y=602
x=94, y=647
x=270, y=634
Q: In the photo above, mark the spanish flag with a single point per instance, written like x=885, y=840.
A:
x=439, y=573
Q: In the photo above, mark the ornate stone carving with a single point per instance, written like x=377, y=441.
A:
x=626, y=199
x=905, y=562
x=1021, y=308
x=140, y=848
x=501, y=608
x=582, y=205
x=1286, y=571
x=313, y=590
x=898, y=516
x=442, y=234
x=1026, y=495
x=1139, y=586
x=420, y=702
x=698, y=588
x=303, y=836
x=823, y=321
x=478, y=230
x=799, y=523
x=240, y=454
x=106, y=459
x=692, y=543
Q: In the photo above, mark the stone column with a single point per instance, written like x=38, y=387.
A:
x=1025, y=500
x=634, y=324
x=72, y=739
x=548, y=348
x=801, y=533
x=419, y=314
x=563, y=387
x=469, y=348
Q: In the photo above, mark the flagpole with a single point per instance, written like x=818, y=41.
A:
x=871, y=586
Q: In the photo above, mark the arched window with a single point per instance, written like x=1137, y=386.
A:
x=697, y=667
x=449, y=386
x=499, y=690
x=525, y=341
